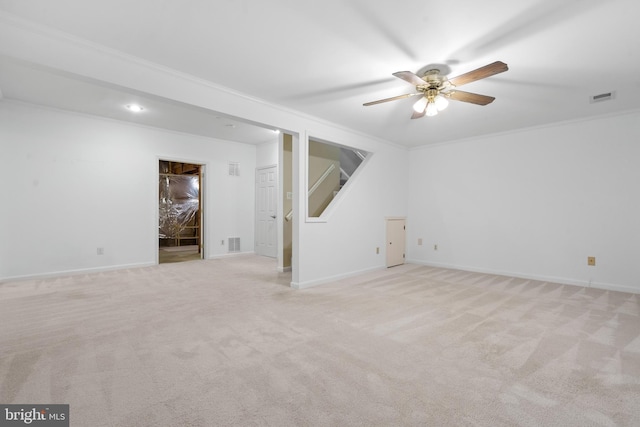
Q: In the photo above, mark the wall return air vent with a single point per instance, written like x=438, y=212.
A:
x=602, y=97
x=234, y=244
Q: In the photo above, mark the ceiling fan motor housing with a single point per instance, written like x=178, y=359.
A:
x=435, y=83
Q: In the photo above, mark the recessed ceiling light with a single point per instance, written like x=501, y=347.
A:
x=135, y=108
x=276, y=131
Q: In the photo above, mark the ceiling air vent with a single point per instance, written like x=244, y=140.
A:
x=602, y=97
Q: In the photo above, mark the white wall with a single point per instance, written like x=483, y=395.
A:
x=534, y=203
x=267, y=153
x=345, y=243
x=73, y=183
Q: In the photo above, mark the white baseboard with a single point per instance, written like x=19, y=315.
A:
x=76, y=272
x=230, y=254
x=284, y=269
x=324, y=280
x=541, y=278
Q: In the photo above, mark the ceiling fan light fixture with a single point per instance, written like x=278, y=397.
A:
x=419, y=106
x=440, y=102
x=432, y=110
x=437, y=89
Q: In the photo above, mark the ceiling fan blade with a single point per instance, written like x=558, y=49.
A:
x=417, y=115
x=393, y=98
x=479, y=73
x=410, y=77
x=473, y=98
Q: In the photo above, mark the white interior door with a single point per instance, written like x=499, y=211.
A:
x=395, y=242
x=266, y=202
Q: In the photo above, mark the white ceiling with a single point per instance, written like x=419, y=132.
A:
x=326, y=58
x=34, y=84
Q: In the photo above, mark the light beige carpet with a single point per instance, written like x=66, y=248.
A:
x=226, y=342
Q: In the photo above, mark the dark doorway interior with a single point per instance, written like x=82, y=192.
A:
x=180, y=213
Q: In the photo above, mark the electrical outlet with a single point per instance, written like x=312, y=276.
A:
x=419, y=242
x=435, y=247
x=591, y=260
x=100, y=251
x=378, y=250
x=221, y=242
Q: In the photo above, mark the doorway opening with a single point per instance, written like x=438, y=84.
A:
x=285, y=241
x=180, y=212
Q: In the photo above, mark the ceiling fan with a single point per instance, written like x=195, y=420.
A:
x=435, y=89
